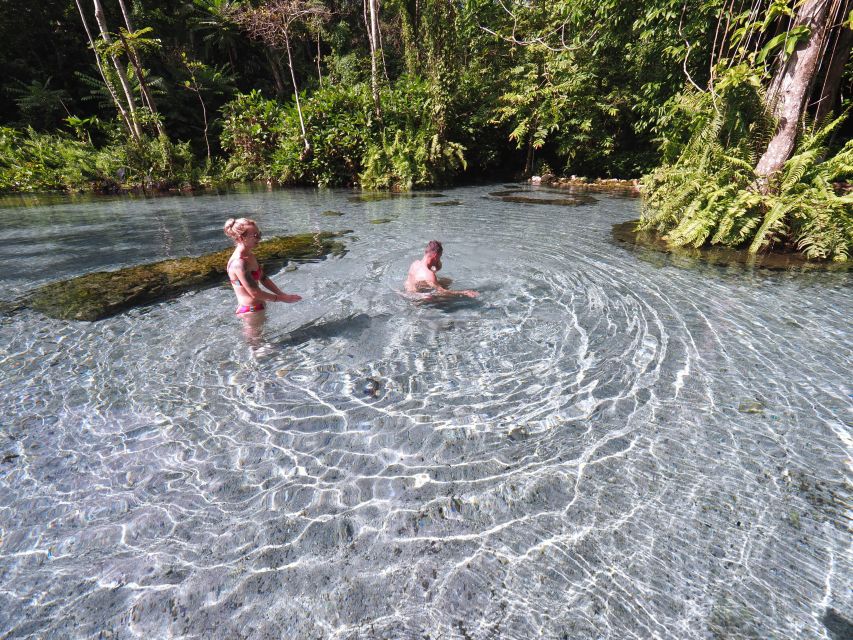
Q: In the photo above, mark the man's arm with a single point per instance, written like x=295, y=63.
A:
x=457, y=293
x=442, y=291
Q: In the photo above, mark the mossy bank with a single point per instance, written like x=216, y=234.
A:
x=99, y=295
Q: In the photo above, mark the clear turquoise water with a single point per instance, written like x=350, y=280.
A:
x=604, y=445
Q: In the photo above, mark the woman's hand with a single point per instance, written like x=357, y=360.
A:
x=288, y=297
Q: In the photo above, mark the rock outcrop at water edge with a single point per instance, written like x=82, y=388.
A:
x=99, y=295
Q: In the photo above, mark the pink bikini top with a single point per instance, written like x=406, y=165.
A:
x=257, y=274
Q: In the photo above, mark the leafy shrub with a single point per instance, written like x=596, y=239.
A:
x=251, y=132
x=410, y=152
x=33, y=161
x=710, y=193
x=348, y=146
x=157, y=161
x=337, y=122
x=410, y=159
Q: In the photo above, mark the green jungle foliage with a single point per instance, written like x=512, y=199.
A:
x=710, y=194
x=263, y=139
x=33, y=161
x=193, y=91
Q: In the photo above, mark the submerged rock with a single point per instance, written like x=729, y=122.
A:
x=376, y=196
x=751, y=406
x=372, y=387
x=838, y=626
x=564, y=202
x=531, y=197
x=615, y=186
x=647, y=244
x=99, y=295
x=332, y=214
x=446, y=203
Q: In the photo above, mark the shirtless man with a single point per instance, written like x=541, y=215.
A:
x=422, y=278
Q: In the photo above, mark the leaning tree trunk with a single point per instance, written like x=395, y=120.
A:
x=307, y=144
x=832, y=84
x=122, y=74
x=373, y=34
x=103, y=73
x=791, y=87
x=137, y=66
x=319, y=71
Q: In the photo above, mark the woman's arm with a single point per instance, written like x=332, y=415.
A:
x=281, y=296
x=250, y=286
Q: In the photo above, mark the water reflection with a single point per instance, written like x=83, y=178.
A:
x=598, y=446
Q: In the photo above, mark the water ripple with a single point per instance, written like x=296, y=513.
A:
x=596, y=447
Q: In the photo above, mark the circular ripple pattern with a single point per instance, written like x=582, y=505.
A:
x=603, y=445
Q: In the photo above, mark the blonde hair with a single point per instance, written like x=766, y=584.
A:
x=235, y=228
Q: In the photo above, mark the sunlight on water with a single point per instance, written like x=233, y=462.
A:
x=603, y=445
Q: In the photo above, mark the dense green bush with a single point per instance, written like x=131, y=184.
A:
x=410, y=152
x=348, y=145
x=337, y=122
x=710, y=194
x=251, y=131
x=33, y=161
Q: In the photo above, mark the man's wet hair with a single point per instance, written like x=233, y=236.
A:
x=434, y=246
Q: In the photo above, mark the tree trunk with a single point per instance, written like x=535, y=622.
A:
x=143, y=86
x=107, y=83
x=528, y=161
x=373, y=34
x=832, y=84
x=319, y=70
x=137, y=65
x=122, y=73
x=204, y=116
x=410, y=44
x=276, y=72
x=791, y=87
x=307, y=149
x=126, y=16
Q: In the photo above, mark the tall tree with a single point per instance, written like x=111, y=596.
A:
x=118, y=103
x=273, y=23
x=793, y=82
x=129, y=40
x=121, y=71
x=375, y=52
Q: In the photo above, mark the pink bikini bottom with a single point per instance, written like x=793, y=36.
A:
x=250, y=308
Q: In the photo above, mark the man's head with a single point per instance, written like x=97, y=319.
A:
x=432, y=255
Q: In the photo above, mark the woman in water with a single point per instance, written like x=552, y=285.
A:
x=247, y=275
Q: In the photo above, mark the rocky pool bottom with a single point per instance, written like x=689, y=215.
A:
x=599, y=446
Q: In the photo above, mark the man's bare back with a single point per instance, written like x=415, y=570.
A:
x=422, y=274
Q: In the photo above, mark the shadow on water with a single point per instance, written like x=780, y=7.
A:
x=837, y=625
x=447, y=303
x=352, y=327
